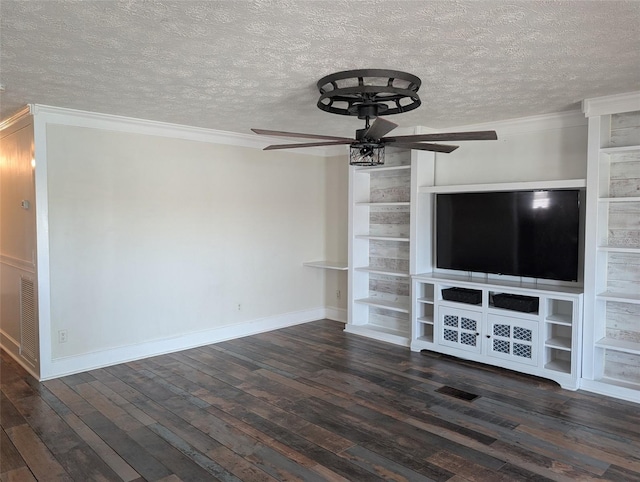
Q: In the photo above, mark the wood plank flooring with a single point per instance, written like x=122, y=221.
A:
x=309, y=403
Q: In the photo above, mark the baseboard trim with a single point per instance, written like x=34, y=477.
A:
x=336, y=314
x=90, y=361
x=364, y=330
x=12, y=347
x=610, y=390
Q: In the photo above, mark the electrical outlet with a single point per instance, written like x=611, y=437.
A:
x=62, y=336
x=239, y=307
x=338, y=294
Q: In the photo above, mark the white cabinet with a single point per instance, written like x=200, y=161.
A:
x=612, y=247
x=512, y=339
x=543, y=338
x=459, y=328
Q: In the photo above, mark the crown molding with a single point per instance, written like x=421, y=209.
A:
x=611, y=104
x=79, y=118
x=559, y=120
x=18, y=116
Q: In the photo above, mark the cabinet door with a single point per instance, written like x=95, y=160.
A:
x=459, y=328
x=512, y=339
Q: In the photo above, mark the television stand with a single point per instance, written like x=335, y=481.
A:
x=526, y=327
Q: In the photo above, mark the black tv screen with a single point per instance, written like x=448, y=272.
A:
x=520, y=233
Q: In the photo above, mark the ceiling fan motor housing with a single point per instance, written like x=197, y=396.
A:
x=368, y=110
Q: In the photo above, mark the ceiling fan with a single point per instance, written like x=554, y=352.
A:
x=369, y=93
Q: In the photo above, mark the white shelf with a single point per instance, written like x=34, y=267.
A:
x=381, y=333
x=383, y=238
x=506, y=186
x=556, y=319
x=559, y=343
x=380, y=169
x=516, y=287
x=337, y=265
x=620, y=383
x=619, y=345
x=426, y=320
x=383, y=204
x=621, y=297
x=398, y=306
x=629, y=199
x=618, y=249
x=615, y=150
x=428, y=301
x=389, y=272
x=563, y=366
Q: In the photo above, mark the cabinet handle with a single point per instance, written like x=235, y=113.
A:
x=488, y=336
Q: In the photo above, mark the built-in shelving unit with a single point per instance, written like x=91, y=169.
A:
x=383, y=208
x=379, y=285
x=612, y=248
x=545, y=342
x=392, y=299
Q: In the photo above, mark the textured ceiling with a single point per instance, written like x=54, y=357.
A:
x=233, y=65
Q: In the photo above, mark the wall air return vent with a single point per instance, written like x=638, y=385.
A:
x=28, y=321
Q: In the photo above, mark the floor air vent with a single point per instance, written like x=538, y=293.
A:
x=454, y=392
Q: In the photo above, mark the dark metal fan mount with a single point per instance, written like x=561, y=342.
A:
x=367, y=94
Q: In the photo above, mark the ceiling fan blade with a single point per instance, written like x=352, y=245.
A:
x=308, y=144
x=424, y=146
x=446, y=136
x=379, y=128
x=265, y=132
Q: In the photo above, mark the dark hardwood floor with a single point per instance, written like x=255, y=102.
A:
x=309, y=403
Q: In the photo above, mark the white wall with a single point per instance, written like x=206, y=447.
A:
x=158, y=240
x=337, y=218
x=540, y=148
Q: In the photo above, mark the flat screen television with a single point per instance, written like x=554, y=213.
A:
x=520, y=233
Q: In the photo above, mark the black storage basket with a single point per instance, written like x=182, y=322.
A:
x=525, y=304
x=462, y=295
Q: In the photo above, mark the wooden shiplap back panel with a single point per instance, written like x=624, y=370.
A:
x=622, y=366
x=394, y=221
x=396, y=157
x=390, y=319
x=623, y=321
x=625, y=129
x=624, y=177
x=390, y=186
x=624, y=225
x=390, y=288
x=392, y=255
x=389, y=221
x=623, y=273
